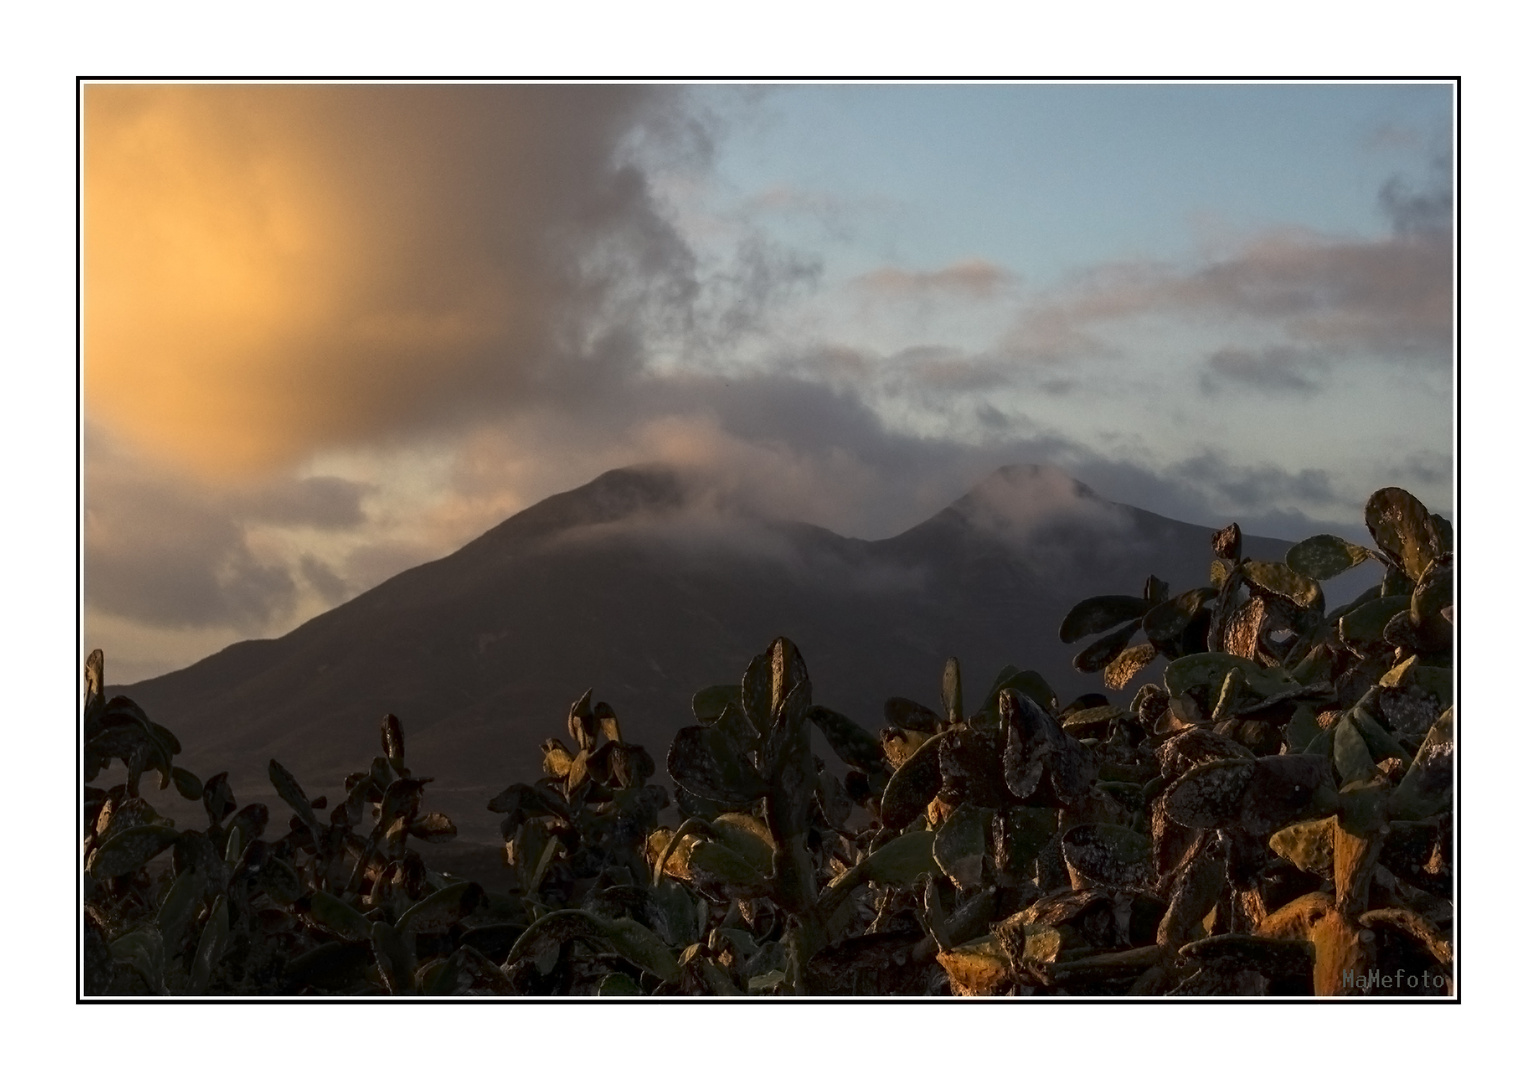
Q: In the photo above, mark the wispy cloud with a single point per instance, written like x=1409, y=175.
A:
x=975, y=279
x=1278, y=368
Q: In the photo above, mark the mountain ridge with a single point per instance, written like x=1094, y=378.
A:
x=645, y=584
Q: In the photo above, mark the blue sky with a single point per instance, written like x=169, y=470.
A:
x=344, y=330
x=1047, y=177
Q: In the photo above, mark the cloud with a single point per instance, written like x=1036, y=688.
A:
x=834, y=215
x=334, y=332
x=275, y=270
x=320, y=502
x=326, y=583
x=1279, y=368
x=1389, y=297
x=170, y=554
x=174, y=551
x=973, y=279
x=1423, y=208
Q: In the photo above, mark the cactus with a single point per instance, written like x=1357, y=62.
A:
x=1273, y=811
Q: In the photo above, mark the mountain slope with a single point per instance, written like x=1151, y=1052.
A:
x=642, y=587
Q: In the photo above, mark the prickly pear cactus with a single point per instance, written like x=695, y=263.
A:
x=1268, y=813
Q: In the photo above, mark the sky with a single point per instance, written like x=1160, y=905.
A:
x=334, y=331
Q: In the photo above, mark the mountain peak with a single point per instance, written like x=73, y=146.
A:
x=1036, y=481
x=1027, y=503
x=613, y=496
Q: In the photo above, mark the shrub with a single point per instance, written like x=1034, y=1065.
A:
x=1272, y=816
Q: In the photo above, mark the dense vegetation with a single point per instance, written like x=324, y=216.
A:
x=1272, y=817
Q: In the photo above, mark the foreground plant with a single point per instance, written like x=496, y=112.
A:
x=1273, y=815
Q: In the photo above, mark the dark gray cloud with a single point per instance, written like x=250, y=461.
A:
x=176, y=552
x=321, y=502
x=1211, y=488
x=171, y=555
x=1423, y=207
x=1278, y=368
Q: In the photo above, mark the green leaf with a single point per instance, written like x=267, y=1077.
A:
x=396, y=965
x=441, y=977
x=749, y=838
x=1210, y=669
x=1324, y=556
x=627, y=937
x=1445, y=540
x=608, y=721
x=961, y=844
x=1302, y=729
x=434, y=828
x=393, y=736
x=1100, y=613
x=1026, y=830
x=210, y=946
x=180, y=905
x=95, y=684
x=1436, y=681
x=852, y=743
x=950, y=691
x=288, y=788
x=1308, y=845
x=787, y=671
x=1352, y=759
x=1367, y=622
x=911, y=715
x=900, y=861
x=706, y=761
x=675, y=911
x=438, y=911
x=280, y=881
x=1124, y=667
x=711, y=864
x=1281, y=580
x=1209, y=795
x=758, y=693
x=188, y=786
x=582, y=722
x=733, y=721
x=143, y=950
x=1110, y=856
x=617, y=983
x=1166, y=623
x=768, y=981
x=1103, y=650
x=218, y=799
x=334, y=965
x=1426, y=789
x=340, y=917
x=125, y=852
x=1403, y=528
x=1432, y=594
x=709, y=702
x=913, y=786
x=1029, y=683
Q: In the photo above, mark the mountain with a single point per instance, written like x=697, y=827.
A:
x=645, y=587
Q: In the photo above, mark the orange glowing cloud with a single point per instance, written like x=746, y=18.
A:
x=274, y=270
